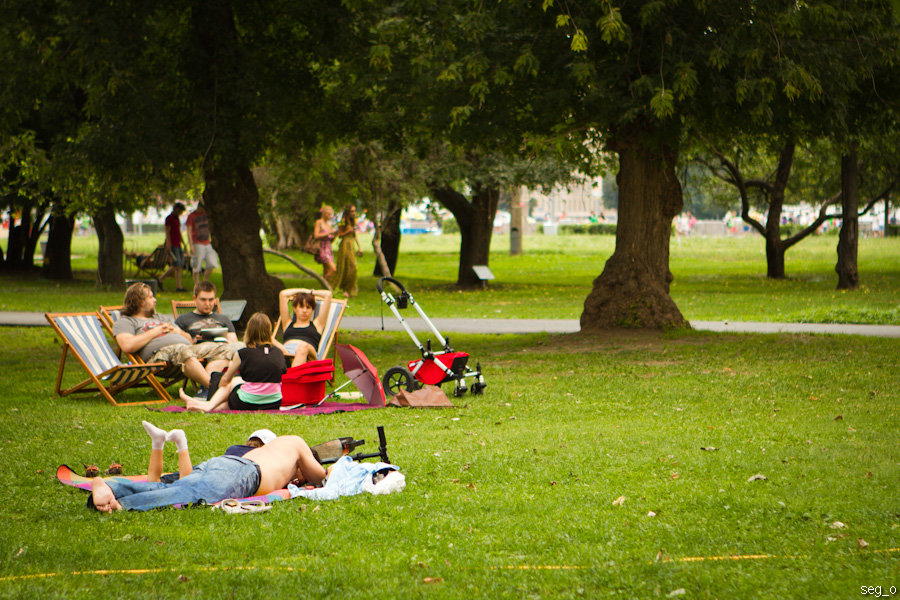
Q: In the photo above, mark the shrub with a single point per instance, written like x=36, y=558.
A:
x=589, y=228
x=449, y=225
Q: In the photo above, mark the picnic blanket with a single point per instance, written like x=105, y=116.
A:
x=324, y=409
x=67, y=476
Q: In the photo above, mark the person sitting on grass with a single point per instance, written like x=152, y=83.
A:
x=302, y=332
x=261, y=365
x=159, y=437
x=260, y=471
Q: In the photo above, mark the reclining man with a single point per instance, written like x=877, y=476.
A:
x=260, y=471
x=154, y=337
x=203, y=316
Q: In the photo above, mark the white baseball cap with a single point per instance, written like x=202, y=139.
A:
x=264, y=435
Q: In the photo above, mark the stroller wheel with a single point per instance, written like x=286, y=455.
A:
x=397, y=378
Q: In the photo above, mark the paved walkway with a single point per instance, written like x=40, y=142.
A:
x=448, y=326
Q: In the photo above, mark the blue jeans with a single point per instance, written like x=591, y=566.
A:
x=216, y=479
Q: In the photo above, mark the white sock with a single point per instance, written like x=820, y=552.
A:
x=178, y=436
x=157, y=435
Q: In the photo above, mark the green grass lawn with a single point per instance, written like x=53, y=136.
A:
x=715, y=279
x=513, y=494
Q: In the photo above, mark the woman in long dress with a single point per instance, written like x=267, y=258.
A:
x=323, y=233
x=348, y=252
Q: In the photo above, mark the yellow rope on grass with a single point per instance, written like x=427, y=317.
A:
x=209, y=569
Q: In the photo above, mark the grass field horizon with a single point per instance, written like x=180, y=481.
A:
x=714, y=279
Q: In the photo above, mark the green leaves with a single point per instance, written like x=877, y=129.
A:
x=450, y=74
x=527, y=63
x=798, y=82
x=663, y=103
x=579, y=41
x=579, y=38
x=685, y=82
x=612, y=27
x=380, y=56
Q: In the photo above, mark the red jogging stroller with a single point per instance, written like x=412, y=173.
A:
x=434, y=367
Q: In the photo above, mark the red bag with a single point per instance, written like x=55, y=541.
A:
x=305, y=384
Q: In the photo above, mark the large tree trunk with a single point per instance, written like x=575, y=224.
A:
x=476, y=226
x=35, y=230
x=633, y=289
x=848, y=241
x=390, y=239
x=15, y=245
x=231, y=200
x=382, y=269
x=775, y=247
x=110, y=255
x=59, y=246
x=516, y=221
x=775, y=251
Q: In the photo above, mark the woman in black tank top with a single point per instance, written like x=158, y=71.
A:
x=302, y=332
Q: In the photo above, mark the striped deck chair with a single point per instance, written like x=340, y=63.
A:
x=168, y=376
x=335, y=314
x=82, y=333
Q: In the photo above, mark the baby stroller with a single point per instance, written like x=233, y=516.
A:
x=435, y=367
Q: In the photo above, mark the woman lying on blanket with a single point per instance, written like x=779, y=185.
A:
x=159, y=437
x=261, y=365
x=302, y=333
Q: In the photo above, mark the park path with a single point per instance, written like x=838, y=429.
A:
x=448, y=326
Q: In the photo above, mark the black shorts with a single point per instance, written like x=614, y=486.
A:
x=235, y=402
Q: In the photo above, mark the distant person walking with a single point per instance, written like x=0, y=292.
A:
x=175, y=246
x=202, y=252
x=348, y=252
x=323, y=232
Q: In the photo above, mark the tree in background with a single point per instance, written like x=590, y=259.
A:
x=510, y=80
x=383, y=183
x=765, y=185
x=845, y=82
x=205, y=87
x=451, y=81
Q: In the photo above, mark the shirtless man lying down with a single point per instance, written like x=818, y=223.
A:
x=258, y=472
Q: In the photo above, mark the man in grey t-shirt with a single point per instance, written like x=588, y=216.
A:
x=142, y=331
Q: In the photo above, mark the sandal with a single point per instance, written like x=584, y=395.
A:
x=114, y=469
x=232, y=506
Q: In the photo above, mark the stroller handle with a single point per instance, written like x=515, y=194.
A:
x=380, y=285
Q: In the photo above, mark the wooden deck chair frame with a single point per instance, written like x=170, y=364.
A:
x=168, y=376
x=154, y=264
x=177, y=304
x=82, y=333
x=326, y=344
